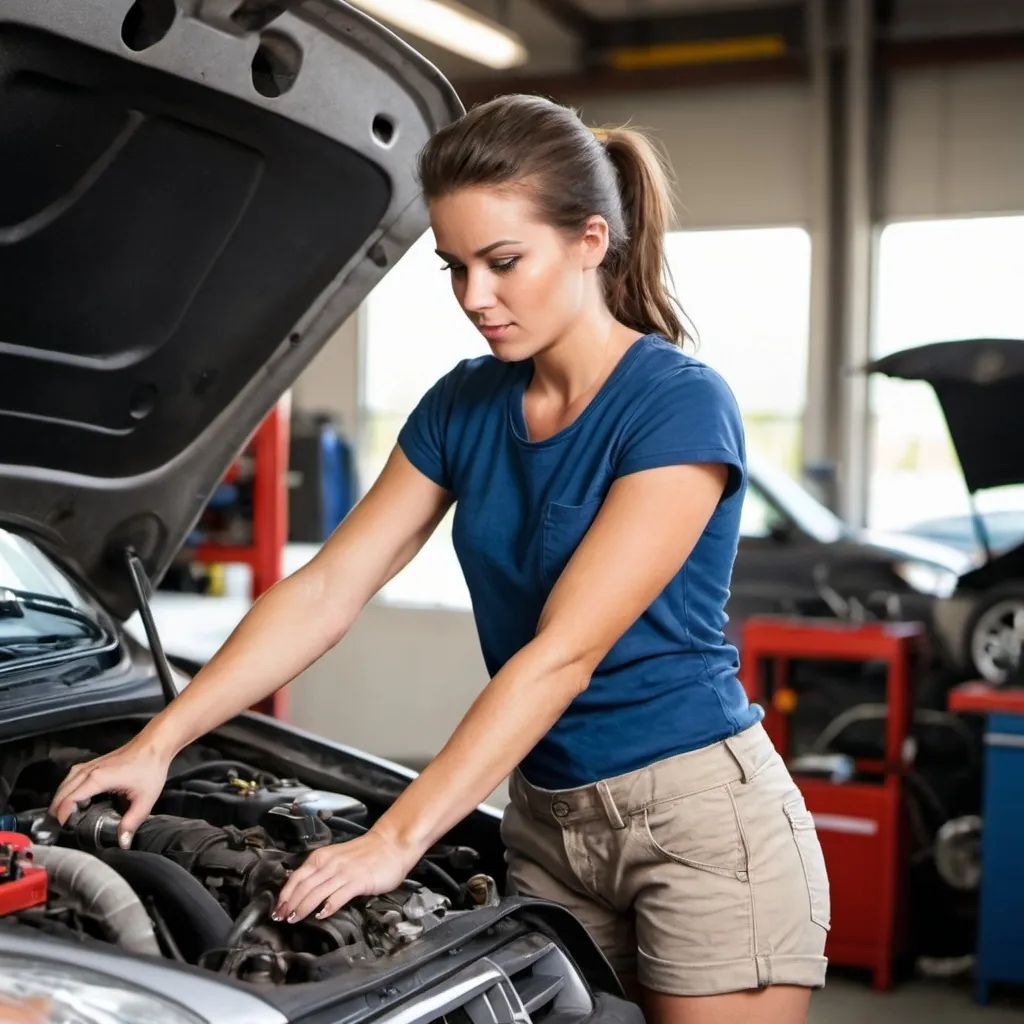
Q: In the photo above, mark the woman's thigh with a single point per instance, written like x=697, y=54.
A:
x=779, y=1004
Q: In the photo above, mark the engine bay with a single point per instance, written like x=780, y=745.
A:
x=204, y=869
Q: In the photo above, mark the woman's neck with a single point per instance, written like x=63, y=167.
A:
x=574, y=367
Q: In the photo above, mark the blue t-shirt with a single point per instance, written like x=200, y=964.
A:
x=669, y=684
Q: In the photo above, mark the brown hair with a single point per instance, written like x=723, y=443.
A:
x=571, y=172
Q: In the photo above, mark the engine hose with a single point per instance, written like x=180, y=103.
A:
x=102, y=893
x=441, y=878
x=258, y=909
x=859, y=713
x=193, y=916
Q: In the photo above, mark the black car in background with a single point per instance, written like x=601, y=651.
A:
x=798, y=558
x=979, y=383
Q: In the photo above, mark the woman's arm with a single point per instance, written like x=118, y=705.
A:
x=285, y=631
x=644, y=532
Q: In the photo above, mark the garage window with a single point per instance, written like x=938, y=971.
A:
x=760, y=517
x=413, y=332
x=939, y=280
x=748, y=295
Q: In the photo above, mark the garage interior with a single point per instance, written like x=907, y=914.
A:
x=849, y=248
x=849, y=180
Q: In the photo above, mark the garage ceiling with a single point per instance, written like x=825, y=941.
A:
x=640, y=8
x=554, y=31
x=578, y=47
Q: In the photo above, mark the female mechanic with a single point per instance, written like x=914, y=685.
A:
x=599, y=473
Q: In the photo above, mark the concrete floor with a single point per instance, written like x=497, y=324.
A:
x=849, y=999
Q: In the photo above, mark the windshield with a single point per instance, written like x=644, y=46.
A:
x=804, y=509
x=42, y=614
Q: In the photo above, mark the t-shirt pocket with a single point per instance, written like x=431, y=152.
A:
x=564, y=527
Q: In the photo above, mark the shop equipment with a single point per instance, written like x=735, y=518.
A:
x=859, y=816
x=1000, y=929
x=265, y=553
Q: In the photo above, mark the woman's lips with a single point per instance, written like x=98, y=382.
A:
x=494, y=332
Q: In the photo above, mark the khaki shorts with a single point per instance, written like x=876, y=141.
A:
x=699, y=875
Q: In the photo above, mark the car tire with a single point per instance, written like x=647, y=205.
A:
x=994, y=635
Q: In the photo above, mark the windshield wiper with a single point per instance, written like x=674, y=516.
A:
x=14, y=603
x=40, y=648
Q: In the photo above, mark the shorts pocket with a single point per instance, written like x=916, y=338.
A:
x=565, y=526
x=805, y=835
x=699, y=831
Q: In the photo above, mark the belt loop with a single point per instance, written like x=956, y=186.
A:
x=608, y=802
x=747, y=769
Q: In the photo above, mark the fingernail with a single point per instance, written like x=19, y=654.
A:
x=322, y=915
x=275, y=916
x=125, y=840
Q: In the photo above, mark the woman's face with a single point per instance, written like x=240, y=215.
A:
x=519, y=280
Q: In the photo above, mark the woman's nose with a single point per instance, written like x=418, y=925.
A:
x=479, y=293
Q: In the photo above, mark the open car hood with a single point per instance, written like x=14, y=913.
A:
x=980, y=387
x=197, y=193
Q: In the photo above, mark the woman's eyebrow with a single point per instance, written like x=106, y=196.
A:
x=480, y=252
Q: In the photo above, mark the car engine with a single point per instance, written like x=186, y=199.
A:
x=204, y=870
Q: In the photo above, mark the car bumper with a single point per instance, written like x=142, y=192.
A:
x=610, y=1009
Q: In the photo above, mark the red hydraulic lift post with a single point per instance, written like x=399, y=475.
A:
x=861, y=823
x=265, y=556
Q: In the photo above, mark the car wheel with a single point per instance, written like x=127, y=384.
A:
x=995, y=635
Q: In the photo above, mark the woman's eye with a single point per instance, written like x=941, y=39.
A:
x=452, y=267
x=502, y=266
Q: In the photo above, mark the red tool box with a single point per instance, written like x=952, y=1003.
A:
x=861, y=822
x=22, y=885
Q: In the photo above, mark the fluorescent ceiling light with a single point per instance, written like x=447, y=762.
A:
x=449, y=24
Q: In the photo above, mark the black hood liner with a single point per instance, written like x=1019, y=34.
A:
x=980, y=387
x=185, y=222
x=157, y=241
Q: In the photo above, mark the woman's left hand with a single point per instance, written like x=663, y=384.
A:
x=333, y=875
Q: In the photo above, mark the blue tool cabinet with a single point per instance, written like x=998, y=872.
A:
x=1001, y=928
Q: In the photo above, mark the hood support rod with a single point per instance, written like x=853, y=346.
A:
x=980, y=529
x=143, y=588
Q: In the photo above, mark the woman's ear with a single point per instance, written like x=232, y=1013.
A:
x=594, y=242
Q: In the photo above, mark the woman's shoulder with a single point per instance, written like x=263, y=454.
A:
x=667, y=367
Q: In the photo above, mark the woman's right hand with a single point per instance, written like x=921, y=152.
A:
x=138, y=771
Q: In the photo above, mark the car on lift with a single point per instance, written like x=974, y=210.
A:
x=195, y=197
x=979, y=383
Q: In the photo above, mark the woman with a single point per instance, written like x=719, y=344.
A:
x=599, y=474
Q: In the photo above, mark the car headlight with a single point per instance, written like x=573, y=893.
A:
x=34, y=992
x=926, y=578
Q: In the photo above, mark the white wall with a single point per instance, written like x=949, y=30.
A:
x=741, y=156
x=956, y=142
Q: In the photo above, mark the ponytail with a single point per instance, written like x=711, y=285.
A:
x=637, y=276
x=571, y=173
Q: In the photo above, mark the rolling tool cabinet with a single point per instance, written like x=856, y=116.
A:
x=860, y=822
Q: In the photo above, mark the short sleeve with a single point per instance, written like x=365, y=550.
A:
x=689, y=416
x=422, y=437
